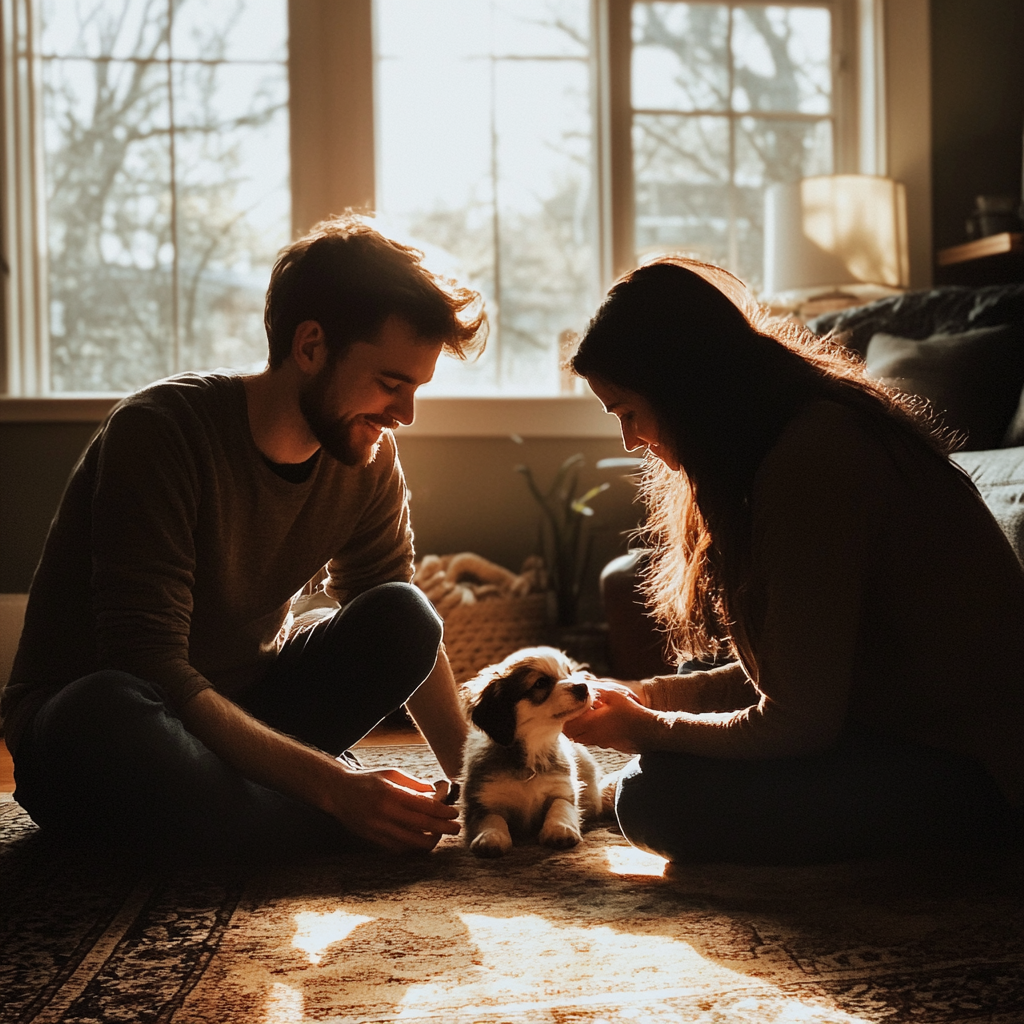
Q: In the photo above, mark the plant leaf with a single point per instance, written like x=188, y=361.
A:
x=581, y=506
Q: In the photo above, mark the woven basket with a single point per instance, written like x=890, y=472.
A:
x=477, y=635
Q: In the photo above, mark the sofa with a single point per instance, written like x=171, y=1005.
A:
x=961, y=349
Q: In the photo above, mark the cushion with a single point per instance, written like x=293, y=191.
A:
x=1015, y=431
x=999, y=476
x=973, y=380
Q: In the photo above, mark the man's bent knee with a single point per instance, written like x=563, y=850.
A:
x=402, y=604
x=401, y=616
x=100, y=702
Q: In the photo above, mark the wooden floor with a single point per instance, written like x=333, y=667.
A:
x=6, y=770
x=381, y=736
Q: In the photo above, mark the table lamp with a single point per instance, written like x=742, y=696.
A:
x=833, y=241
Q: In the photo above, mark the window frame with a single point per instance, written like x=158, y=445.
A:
x=332, y=169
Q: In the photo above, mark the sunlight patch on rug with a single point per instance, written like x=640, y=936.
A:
x=315, y=932
x=631, y=977
x=285, y=1005
x=627, y=860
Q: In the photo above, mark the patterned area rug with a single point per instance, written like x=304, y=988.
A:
x=595, y=935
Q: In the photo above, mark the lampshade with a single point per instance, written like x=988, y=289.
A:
x=833, y=232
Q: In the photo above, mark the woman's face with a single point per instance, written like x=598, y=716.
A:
x=637, y=420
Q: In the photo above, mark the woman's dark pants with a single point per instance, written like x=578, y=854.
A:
x=868, y=795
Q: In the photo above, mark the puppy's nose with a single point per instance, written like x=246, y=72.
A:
x=580, y=691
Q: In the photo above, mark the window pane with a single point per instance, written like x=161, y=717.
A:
x=546, y=271
x=484, y=161
x=243, y=30
x=231, y=168
x=161, y=235
x=104, y=28
x=108, y=173
x=699, y=178
x=680, y=56
x=783, y=59
x=539, y=28
x=769, y=151
x=681, y=170
x=778, y=150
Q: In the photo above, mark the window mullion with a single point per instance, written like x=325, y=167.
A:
x=175, y=360
x=331, y=87
x=26, y=363
x=614, y=130
x=733, y=125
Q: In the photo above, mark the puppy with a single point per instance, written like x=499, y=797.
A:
x=522, y=775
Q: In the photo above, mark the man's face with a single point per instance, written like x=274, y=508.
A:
x=371, y=387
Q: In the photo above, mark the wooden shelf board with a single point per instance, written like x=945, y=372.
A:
x=992, y=245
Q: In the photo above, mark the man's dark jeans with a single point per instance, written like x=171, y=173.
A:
x=106, y=759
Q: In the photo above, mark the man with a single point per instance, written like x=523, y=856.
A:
x=163, y=694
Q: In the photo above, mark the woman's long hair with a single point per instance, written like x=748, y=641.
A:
x=723, y=379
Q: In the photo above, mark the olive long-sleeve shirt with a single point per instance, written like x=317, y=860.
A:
x=176, y=549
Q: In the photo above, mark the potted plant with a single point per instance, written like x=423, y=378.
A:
x=565, y=540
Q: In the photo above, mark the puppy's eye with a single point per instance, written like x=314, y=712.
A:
x=538, y=693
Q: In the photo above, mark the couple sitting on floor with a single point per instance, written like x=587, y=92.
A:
x=873, y=695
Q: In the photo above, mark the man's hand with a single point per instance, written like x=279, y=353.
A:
x=390, y=808
x=384, y=806
x=618, y=719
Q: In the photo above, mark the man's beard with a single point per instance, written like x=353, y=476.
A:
x=336, y=436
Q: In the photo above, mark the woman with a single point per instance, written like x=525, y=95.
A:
x=808, y=527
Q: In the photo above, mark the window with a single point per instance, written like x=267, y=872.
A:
x=488, y=134
x=484, y=140
x=726, y=98
x=165, y=176
x=147, y=152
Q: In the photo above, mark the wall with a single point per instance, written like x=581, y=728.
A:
x=466, y=495
x=35, y=462
x=906, y=124
x=977, y=107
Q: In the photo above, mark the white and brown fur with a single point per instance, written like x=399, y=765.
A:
x=523, y=776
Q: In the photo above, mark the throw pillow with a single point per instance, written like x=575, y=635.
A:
x=973, y=380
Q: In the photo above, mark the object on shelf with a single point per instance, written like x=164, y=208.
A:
x=993, y=215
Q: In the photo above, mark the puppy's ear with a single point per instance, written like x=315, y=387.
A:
x=495, y=715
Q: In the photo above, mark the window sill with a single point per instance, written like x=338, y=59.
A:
x=560, y=416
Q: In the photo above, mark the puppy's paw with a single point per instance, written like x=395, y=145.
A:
x=559, y=835
x=491, y=842
x=607, y=787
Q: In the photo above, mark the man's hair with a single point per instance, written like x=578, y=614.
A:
x=349, y=278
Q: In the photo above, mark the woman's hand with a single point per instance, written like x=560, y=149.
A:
x=617, y=719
